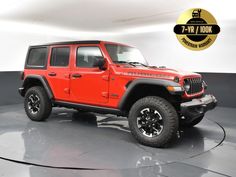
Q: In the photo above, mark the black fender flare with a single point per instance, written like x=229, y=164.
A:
x=43, y=81
x=147, y=81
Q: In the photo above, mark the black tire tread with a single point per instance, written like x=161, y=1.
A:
x=45, y=107
x=172, y=116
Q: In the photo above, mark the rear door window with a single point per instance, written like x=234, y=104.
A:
x=60, y=56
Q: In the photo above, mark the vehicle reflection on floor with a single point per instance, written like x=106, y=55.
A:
x=74, y=140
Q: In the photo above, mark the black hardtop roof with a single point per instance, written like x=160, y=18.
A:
x=70, y=42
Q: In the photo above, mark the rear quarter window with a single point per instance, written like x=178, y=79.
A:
x=37, y=57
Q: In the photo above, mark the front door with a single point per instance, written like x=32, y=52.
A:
x=89, y=84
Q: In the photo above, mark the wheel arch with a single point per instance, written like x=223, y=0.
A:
x=36, y=80
x=140, y=88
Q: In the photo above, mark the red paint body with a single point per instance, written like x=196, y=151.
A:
x=100, y=87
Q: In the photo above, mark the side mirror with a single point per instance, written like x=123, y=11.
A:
x=100, y=63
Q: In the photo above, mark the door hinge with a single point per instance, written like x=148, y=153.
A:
x=105, y=94
x=114, y=95
x=67, y=76
x=105, y=77
x=67, y=90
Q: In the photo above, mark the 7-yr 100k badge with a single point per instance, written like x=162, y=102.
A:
x=196, y=29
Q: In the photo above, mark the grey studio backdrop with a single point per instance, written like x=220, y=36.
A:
x=153, y=35
x=222, y=85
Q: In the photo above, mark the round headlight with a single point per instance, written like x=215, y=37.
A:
x=186, y=86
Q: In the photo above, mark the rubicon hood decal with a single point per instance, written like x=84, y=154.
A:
x=147, y=75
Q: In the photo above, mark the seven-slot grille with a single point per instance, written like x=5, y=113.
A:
x=195, y=85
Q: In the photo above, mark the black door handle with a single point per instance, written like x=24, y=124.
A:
x=76, y=75
x=52, y=74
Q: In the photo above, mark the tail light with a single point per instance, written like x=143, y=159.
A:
x=22, y=75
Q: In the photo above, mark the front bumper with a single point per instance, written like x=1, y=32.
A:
x=197, y=107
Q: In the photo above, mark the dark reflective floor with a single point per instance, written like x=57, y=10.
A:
x=87, y=144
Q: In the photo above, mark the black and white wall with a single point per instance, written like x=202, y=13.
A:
x=138, y=23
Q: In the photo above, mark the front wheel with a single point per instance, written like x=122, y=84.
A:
x=153, y=121
x=37, y=104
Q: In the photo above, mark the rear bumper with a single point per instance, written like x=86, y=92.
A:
x=198, y=107
x=21, y=91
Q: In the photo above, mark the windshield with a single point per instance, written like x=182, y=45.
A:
x=125, y=54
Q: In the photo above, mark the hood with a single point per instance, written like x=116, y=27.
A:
x=180, y=73
x=154, y=72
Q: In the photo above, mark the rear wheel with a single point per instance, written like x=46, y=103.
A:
x=37, y=105
x=153, y=121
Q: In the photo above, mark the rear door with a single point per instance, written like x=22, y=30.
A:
x=58, y=73
x=89, y=84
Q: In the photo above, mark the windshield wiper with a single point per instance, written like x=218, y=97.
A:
x=135, y=63
x=126, y=62
x=120, y=62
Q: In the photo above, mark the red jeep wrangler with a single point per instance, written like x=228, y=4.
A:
x=113, y=78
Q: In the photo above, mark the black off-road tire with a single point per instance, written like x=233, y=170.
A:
x=169, y=117
x=192, y=123
x=45, y=105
